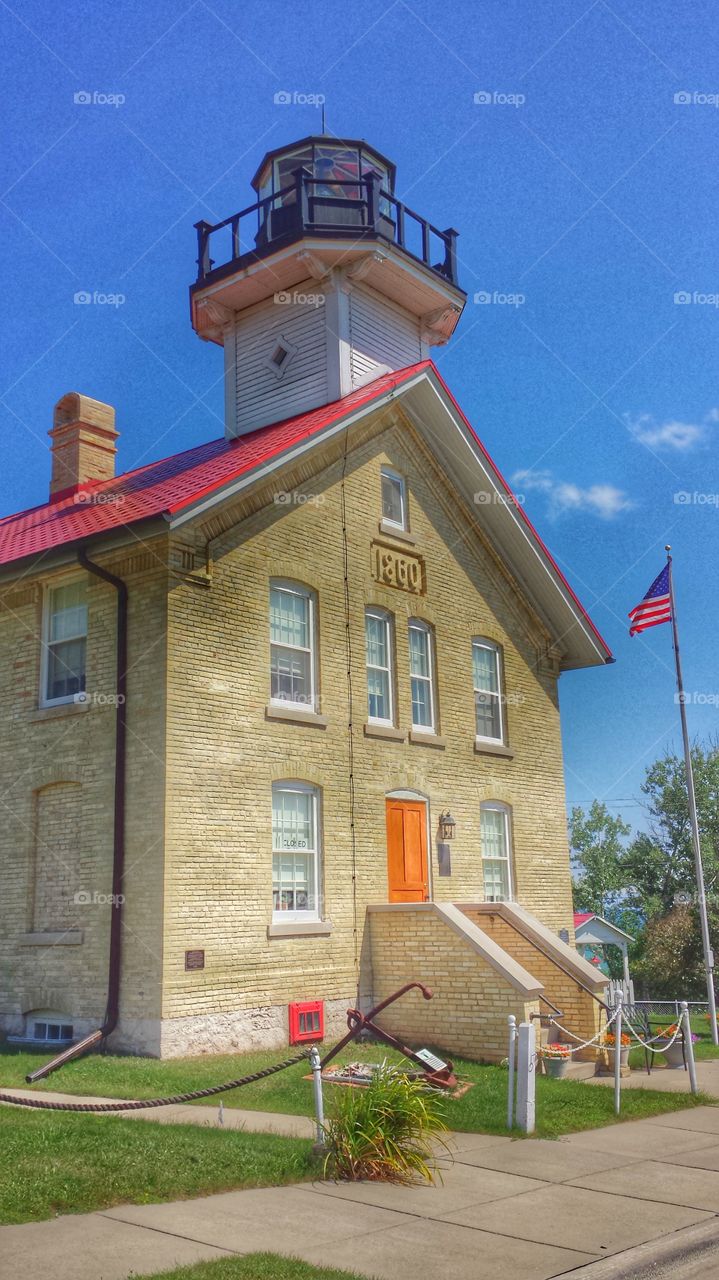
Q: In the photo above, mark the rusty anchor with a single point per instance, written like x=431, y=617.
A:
x=443, y=1076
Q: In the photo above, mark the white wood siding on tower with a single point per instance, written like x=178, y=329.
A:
x=262, y=397
x=381, y=337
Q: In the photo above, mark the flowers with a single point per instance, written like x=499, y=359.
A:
x=666, y=1033
x=556, y=1050
x=609, y=1039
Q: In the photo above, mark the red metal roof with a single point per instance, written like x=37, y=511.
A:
x=172, y=484
x=165, y=487
x=581, y=917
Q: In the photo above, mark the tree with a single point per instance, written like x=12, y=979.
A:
x=597, y=856
x=659, y=865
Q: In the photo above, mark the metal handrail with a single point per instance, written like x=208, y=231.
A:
x=379, y=208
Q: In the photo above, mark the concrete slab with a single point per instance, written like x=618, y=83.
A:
x=275, y=1217
x=550, y=1161
x=579, y=1219
x=461, y=1185
x=652, y=1180
x=701, y=1119
x=668, y=1080
x=89, y=1247
x=478, y=1141
x=707, y=1158
x=445, y=1251
x=639, y=1141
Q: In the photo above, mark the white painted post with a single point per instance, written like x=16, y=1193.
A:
x=618, y=1057
x=316, y=1065
x=526, y=1052
x=512, y=1021
x=689, y=1048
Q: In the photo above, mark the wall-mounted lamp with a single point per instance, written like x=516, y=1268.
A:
x=447, y=826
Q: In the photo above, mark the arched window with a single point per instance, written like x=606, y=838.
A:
x=295, y=851
x=293, y=645
x=488, y=691
x=380, y=668
x=496, y=836
x=422, y=676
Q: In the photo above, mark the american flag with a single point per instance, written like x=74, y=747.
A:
x=655, y=607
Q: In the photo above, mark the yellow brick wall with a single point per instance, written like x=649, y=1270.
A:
x=581, y=1013
x=224, y=754
x=471, y=1001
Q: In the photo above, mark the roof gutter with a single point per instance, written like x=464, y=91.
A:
x=112, y=1011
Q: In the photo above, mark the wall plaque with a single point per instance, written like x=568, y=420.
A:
x=194, y=960
x=399, y=569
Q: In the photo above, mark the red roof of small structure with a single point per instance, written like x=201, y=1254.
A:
x=167, y=487
x=581, y=917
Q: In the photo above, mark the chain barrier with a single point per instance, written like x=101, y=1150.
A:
x=141, y=1105
x=584, y=1044
x=647, y=1043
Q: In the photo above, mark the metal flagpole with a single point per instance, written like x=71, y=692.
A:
x=706, y=944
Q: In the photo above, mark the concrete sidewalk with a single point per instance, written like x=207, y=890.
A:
x=509, y=1209
x=668, y=1079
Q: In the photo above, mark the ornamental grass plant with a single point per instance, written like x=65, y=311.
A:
x=386, y=1131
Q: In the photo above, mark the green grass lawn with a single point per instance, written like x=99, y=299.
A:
x=254, y=1266
x=704, y=1048
x=57, y=1162
x=562, y=1106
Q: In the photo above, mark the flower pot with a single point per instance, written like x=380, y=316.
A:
x=674, y=1056
x=623, y=1056
x=556, y=1067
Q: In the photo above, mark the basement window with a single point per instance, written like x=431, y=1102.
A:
x=49, y=1029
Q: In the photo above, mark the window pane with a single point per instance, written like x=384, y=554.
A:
x=489, y=723
x=496, y=880
x=68, y=612
x=392, y=499
x=419, y=652
x=289, y=618
x=421, y=704
x=66, y=669
x=378, y=705
x=290, y=675
x=486, y=674
x=292, y=820
x=376, y=635
x=494, y=833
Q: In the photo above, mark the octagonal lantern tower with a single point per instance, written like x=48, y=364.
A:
x=322, y=284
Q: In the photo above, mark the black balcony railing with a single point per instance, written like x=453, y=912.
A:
x=350, y=210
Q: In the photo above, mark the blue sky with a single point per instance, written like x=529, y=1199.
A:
x=581, y=185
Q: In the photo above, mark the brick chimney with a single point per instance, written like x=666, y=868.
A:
x=83, y=442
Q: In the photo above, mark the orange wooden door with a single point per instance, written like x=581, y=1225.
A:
x=407, y=851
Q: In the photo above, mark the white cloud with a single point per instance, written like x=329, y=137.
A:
x=680, y=436
x=603, y=500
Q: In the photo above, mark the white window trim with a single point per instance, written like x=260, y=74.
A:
x=279, y=340
x=402, y=524
x=496, y=806
x=480, y=642
x=45, y=646
x=313, y=913
x=296, y=588
x=384, y=616
x=417, y=624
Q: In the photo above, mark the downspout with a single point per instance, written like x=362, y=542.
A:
x=112, y=1010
